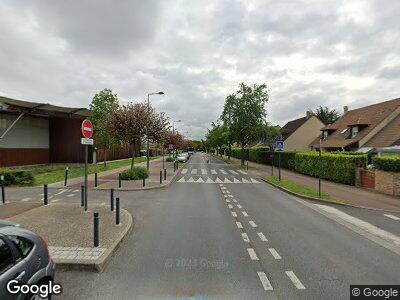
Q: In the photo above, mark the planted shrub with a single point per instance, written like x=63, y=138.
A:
x=387, y=163
x=135, y=174
x=334, y=167
x=169, y=159
x=17, y=177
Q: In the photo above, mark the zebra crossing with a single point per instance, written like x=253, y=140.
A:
x=203, y=175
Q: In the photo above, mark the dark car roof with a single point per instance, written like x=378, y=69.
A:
x=4, y=223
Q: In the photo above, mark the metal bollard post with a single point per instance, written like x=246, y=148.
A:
x=112, y=199
x=119, y=180
x=66, y=176
x=247, y=165
x=95, y=179
x=117, y=211
x=82, y=195
x=160, y=177
x=165, y=174
x=45, y=195
x=95, y=229
x=144, y=181
x=3, y=192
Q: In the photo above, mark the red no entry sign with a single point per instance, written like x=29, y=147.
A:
x=87, y=129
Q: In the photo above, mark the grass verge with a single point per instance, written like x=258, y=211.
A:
x=48, y=174
x=297, y=188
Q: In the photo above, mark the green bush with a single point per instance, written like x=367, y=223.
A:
x=19, y=177
x=387, y=163
x=334, y=167
x=169, y=159
x=135, y=174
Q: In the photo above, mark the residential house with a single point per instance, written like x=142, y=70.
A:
x=300, y=133
x=372, y=126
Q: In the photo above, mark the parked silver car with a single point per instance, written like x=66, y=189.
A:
x=183, y=157
x=24, y=257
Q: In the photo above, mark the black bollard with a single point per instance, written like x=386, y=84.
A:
x=3, y=192
x=66, y=176
x=165, y=174
x=95, y=229
x=160, y=177
x=45, y=195
x=119, y=180
x=82, y=195
x=112, y=199
x=117, y=211
x=144, y=181
x=95, y=179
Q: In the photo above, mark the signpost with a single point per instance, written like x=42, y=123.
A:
x=279, y=146
x=87, y=132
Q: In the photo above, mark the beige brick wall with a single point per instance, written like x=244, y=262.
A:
x=387, y=182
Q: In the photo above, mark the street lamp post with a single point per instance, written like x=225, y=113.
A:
x=173, y=132
x=148, y=140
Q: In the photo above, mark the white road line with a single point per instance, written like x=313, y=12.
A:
x=228, y=192
x=254, y=181
x=262, y=237
x=245, y=237
x=239, y=225
x=234, y=214
x=200, y=180
x=60, y=192
x=203, y=171
x=75, y=191
x=194, y=171
x=26, y=199
x=252, y=253
x=274, y=253
x=70, y=195
x=233, y=172
x=234, y=200
x=245, y=214
x=264, y=281
x=227, y=201
x=239, y=206
x=230, y=206
x=252, y=224
x=230, y=196
x=182, y=179
x=223, y=172
x=392, y=217
x=213, y=172
x=223, y=188
x=243, y=172
x=55, y=200
x=226, y=180
x=295, y=280
x=184, y=171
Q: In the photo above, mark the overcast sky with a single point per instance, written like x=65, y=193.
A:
x=308, y=53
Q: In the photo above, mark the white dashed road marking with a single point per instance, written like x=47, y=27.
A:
x=274, y=253
x=234, y=172
x=264, y=281
x=223, y=172
x=239, y=225
x=239, y=206
x=230, y=206
x=262, y=237
x=26, y=199
x=234, y=214
x=392, y=217
x=70, y=195
x=245, y=237
x=203, y=171
x=243, y=172
x=55, y=200
x=245, y=214
x=194, y=171
x=252, y=253
x=254, y=225
x=213, y=172
x=184, y=171
x=227, y=201
x=297, y=283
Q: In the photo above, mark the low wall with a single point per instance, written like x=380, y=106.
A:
x=387, y=182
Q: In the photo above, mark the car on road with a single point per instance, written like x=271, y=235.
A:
x=183, y=157
x=24, y=256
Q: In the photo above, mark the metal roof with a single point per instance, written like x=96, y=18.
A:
x=35, y=108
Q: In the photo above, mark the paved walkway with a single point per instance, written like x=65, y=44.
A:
x=348, y=194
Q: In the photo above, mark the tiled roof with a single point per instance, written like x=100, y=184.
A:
x=292, y=126
x=371, y=115
x=388, y=136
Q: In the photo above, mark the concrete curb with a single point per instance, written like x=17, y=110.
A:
x=312, y=198
x=100, y=264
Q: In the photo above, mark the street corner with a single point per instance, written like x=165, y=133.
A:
x=11, y=209
x=71, y=234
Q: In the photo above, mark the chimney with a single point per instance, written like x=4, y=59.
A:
x=308, y=114
x=345, y=109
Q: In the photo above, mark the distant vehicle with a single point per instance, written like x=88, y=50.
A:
x=183, y=157
x=24, y=256
x=191, y=153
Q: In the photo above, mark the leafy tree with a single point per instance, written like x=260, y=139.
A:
x=326, y=115
x=103, y=103
x=269, y=134
x=246, y=113
x=215, y=137
x=128, y=123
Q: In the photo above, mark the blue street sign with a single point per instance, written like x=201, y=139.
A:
x=279, y=145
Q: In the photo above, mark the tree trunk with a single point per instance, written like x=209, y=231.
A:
x=133, y=156
x=229, y=151
x=242, y=153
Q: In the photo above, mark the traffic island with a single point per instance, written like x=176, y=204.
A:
x=69, y=232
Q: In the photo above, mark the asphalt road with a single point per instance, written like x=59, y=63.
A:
x=219, y=233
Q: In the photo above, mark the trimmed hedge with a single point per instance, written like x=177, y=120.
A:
x=334, y=167
x=135, y=174
x=170, y=159
x=19, y=177
x=387, y=163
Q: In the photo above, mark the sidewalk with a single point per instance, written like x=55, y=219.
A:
x=347, y=194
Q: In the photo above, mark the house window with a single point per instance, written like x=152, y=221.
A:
x=325, y=134
x=354, y=131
